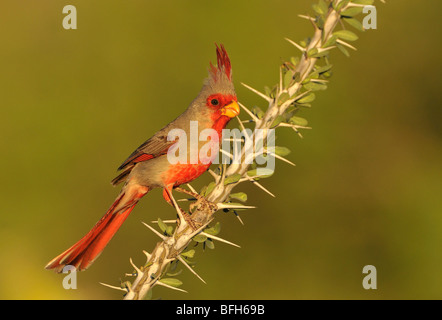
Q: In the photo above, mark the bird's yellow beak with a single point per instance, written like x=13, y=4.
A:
x=231, y=110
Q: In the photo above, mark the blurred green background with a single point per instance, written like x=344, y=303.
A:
x=366, y=189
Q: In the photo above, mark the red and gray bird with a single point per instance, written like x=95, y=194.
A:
x=149, y=167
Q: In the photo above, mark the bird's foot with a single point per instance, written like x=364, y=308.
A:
x=195, y=225
x=200, y=200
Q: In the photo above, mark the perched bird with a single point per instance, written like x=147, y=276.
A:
x=149, y=167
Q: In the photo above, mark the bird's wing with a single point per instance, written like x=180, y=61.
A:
x=154, y=147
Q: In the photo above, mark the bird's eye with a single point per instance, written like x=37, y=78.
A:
x=214, y=102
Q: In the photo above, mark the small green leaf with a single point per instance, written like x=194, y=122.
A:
x=327, y=74
x=214, y=230
x=173, y=266
x=318, y=9
x=351, y=12
x=209, y=244
x=209, y=188
x=323, y=69
x=174, y=274
x=355, y=23
x=346, y=35
x=253, y=165
x=330, y=41
x=314, y=86
x=171, y=282
x=283, y=97
x=270, y=92
x=321, y=54
x=312, y=52
x=260, y=172
x=277, y=121
x=258, y=112
x=162, y=225
x=288, y=77
x=189, y=262
x=241, y=196
x=343, y=50
x=281, y=151
x=199, y=238
x=323, y=6
x=188, y=254
x=340, y=5
x=252, y=173
x=232, y=178
x=273, y=92
x=320, y=22
x=298, y=121
x=294, y=60
x=169, y=230
x=267, y=91
x=308, y=98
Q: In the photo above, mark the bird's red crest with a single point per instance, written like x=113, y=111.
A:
x=223, y=64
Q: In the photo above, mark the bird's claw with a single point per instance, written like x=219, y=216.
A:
x=200, y=202
x=188, y=219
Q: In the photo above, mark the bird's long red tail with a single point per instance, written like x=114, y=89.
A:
x=82, y=254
